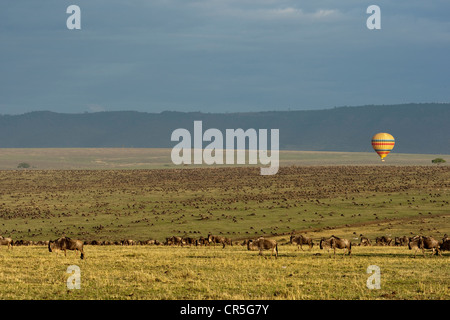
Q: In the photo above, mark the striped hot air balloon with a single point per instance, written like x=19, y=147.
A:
x=383, y=143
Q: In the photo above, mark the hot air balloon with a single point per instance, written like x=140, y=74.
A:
x=383, y=143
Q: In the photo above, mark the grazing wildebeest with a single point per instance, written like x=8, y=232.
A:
x=401, y=241
x=429, y=243
x=6, y=242
x=336, y=243
x=65, y=244
x=228, y=241
x=364, y=241
x=217, y=239
x=22, y=242
x=176, y=240
x=404, y=240
x=384, y=241
x=263, y=244
x=128, y=242
x=421, y=242
x=325, y=243
x=445, y=243
x=413, y=243
x=189, y=241
x=202, y=241
x=299, y=240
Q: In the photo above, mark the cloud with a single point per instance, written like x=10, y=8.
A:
x=214, y=54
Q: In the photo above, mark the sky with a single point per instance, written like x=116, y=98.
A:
x=221, y=55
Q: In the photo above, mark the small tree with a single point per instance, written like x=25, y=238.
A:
x=438, y=161
x=23, y=165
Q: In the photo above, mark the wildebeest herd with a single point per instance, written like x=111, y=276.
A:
x=416, y=243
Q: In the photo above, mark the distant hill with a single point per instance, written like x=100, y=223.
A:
x=417, y=128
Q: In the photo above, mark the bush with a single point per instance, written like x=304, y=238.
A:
x=438, y=160
x=23, y=165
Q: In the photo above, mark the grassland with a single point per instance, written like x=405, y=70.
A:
x=146, y=158
x=235, y=202
x=201, y=273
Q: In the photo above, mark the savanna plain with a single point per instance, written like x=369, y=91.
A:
x=108, y=206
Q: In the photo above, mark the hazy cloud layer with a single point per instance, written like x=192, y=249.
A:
x=221, y=55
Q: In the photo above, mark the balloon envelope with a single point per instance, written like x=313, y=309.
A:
x=383, y=143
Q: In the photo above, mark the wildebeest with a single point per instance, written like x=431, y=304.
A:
x=383, y=241
x=325, y=243
x=263, y=244
x=217, y=239
x=228, y=241
x=364, y=241
x=22, y=242
x=189, y=241
x=429, y=243
x=401, y=241
x=423, y=242
x=336, y=243
x=202, y=241
x=174, y=240
x=299, y=240
x=148, y=242
x=128, y=242
x=6, y=242
x=65, y=243
x=445, y=243
x=168, y=242
x=413, y=243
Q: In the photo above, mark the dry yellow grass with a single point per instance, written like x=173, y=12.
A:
x=199, y=273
